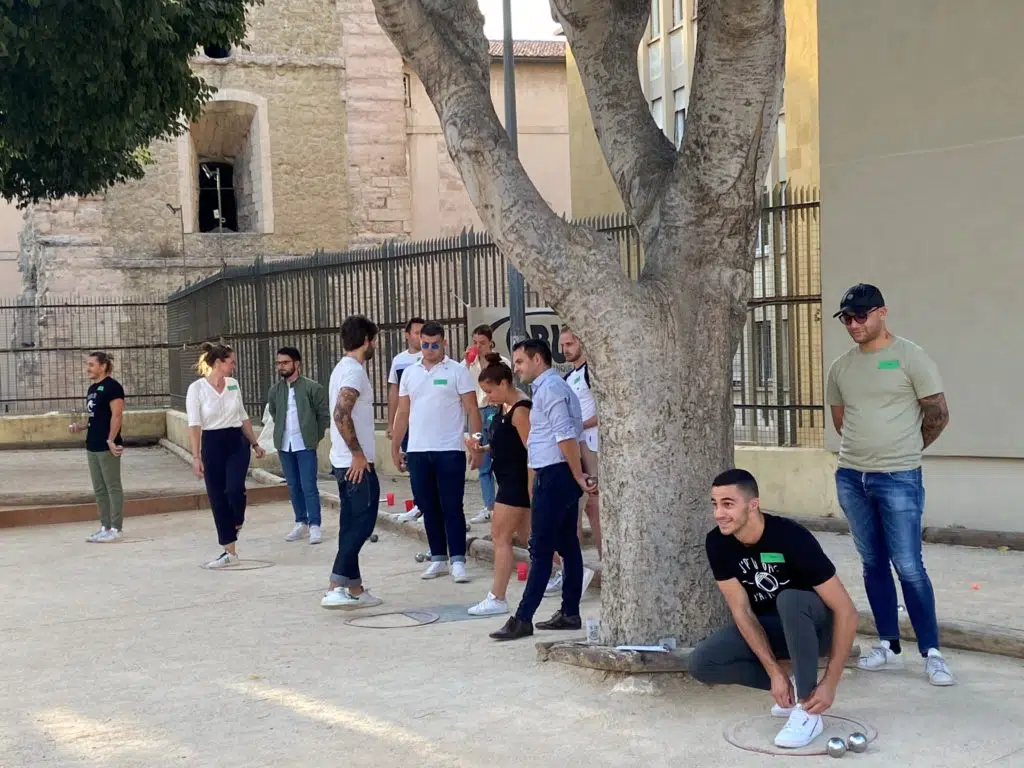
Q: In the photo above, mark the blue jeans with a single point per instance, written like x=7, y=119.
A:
x=356, y=521
x=438, y=485
x=884, y=510
x=487, y=485
x=553, y=515
x=300, y=471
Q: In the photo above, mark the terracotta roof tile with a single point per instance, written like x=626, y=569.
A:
x=530, y=49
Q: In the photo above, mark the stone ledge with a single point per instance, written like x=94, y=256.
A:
x=960, y=537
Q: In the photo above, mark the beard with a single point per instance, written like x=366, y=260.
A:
x=285, y=374
x=368, y=354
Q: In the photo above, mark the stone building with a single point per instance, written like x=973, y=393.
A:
x=303, y=147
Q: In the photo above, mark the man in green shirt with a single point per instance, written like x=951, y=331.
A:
x=887, y=406
x=300, y=412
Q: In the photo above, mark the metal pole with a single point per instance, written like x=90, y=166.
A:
x=516, y=286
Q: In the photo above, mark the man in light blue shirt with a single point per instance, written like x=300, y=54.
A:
x=558, y=482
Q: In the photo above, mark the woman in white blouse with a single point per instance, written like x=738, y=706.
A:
x=221, y=434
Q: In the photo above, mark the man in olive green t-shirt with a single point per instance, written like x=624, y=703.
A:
x=887, y=406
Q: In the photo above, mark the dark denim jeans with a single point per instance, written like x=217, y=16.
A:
x=884, y=510
x=356, y=521
x=553, y=515
x=300, y=470
x=438, y=485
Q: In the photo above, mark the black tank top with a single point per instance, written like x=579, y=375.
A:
x=508, y=453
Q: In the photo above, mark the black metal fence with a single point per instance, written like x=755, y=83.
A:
x=301, y=302
x=43, y=345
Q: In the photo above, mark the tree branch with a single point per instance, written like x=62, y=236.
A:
x=443, y=41
x=713, y=196
x=604, y=36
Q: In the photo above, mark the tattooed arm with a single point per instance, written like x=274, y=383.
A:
x=346, y=427
x=935, y=417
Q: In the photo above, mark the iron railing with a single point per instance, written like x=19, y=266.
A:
x=43, y=345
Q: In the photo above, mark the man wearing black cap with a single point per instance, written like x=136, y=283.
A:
x=887, y=406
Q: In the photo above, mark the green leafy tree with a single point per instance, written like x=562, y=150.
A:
x=88, y=84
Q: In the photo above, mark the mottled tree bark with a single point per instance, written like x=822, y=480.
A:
x=661, y=347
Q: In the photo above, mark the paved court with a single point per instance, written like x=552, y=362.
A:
x=132, y=655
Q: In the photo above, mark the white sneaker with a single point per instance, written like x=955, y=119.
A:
x=112, y=535
x=489, y=606
x=315, y=536
x=483, y=516
x=226, y=560
x=800, y=730
x=102, y=532
x=300, y=531
x=410, y=516
x=459, y=575
x=435, y=569
x=554, y=585
x=881, y=657
x=937, y=670
x=340, y=597
x=588, y=576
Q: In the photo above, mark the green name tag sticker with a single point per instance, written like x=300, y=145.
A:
x=99, y=389
x=888, y=365
x=772, y=557
x=440, y=382
x=233, y=387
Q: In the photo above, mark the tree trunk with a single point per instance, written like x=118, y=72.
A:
x=661, y=347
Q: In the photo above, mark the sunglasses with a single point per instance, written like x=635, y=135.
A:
x=848, y=318
x=431, y=344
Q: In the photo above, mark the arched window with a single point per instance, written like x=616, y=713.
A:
x=216, y=52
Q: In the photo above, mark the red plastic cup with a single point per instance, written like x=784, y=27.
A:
x=471, y=355
x=391, y=498
x=409, y=505
x=521, y=570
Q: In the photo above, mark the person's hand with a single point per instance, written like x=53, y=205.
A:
x=115, y=449
x=588, y=483
x=782, y=690
x=821, y=698
x=359, y=465
x=474, y=460
x=388, y=433
x=197, y=467
x=473, y=443
x=258, y=450
x=74, y=429
x=396, y=457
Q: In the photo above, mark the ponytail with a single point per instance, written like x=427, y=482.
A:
x=210, y=354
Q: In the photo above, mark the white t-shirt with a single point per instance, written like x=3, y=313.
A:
x=350, y=373
x=436, y=415
x=210, y=409
x=577, y=380
x=292, y=431
x=402, y=360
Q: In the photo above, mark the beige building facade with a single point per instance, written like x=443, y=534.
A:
x=921, y=191
x=303, y=147
x=441, y=205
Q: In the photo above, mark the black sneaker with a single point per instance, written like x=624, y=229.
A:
x=513, y=630
x=559, y=621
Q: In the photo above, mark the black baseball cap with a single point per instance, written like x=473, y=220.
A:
x=860, y=299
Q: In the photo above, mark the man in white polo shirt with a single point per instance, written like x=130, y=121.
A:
x=435, y=397
x=579, y=381
x=352, y=456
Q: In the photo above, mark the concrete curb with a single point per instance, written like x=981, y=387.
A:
x=959, y=537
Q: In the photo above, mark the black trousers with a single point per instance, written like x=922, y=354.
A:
x=356, y=521
x=225, y=455
x=801, y=631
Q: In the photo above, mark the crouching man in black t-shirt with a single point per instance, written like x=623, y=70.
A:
x=787, y=604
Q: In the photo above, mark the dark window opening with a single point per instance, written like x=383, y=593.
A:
x=212, y=206
x=216, y=51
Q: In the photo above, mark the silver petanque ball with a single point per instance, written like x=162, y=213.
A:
x=836, y=747
x=857, y=742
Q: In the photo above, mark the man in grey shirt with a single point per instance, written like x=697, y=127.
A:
x=887, y=406
x=558, y=483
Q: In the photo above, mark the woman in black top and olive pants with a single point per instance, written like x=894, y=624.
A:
x=507, y=437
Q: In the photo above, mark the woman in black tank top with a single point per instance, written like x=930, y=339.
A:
x=507, y=436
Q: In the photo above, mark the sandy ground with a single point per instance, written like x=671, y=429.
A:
x=132, y=655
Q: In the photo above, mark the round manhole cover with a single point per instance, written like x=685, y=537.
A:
x=757, y=734
x=243, y=565
x=395, y=620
